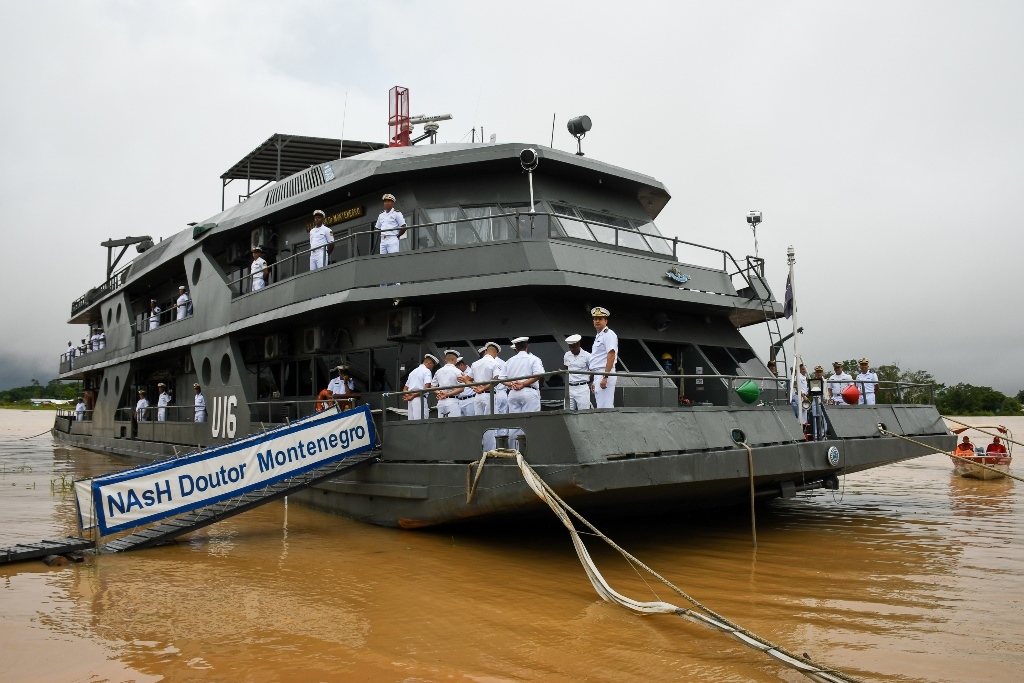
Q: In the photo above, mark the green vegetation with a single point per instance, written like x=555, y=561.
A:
x=967, y=399
x=20, y=396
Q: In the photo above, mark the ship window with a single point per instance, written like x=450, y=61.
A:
x=487, y=223
x=572, y=227
x=635, y=357
x=268, y=381
x=289, y=380
x=532, y=225
x=358, y=363
x=626, y=238
x=658, y=243
x=383, y=369
x=425, y=237
x=549, y=351
x=749, y=363
x=720, y=358
x=452, y=227
x=304, y=378
x=322, y=375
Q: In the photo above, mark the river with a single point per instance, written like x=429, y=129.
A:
x=906, y=574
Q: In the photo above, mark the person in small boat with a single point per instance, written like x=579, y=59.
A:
x=995, y=448
x=965, y=448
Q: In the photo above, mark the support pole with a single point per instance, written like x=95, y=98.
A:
x=795, y=376
x=529, y=176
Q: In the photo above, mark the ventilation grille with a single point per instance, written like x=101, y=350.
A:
x=307, y=180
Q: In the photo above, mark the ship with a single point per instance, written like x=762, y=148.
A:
x=496, y=249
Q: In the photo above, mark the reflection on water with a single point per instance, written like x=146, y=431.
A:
x=913, y=575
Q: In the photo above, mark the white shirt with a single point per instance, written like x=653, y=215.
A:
x=337, y=386
x=318, y=237
x=257, y=273
x=388, y=223
x=80, y=411
x=200, y=408
x=836, y=383
x=140, y=409
x=447, y=376
x=523, y=364
x=103, y=340
x=468, y=391
x=163, y=400
x=96, y=342
x=71, y=350
x=499, y=367
x=182, y=303
x=484, y=369
x=580, y=361
x=869, y=379
x=605, y=342
x=419, y=378
x=154, y=318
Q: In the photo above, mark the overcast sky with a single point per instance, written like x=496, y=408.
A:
x=882, y=140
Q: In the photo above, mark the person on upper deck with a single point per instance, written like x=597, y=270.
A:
x=70, y=353
x=154, y=315
x=258, y=270
x=162, y=401
x=446, y=379
x=343, y=389
x=142, y=407
x=94, y=340
x=867, y=381
x=391, y=224
x=102, y=338
x=964, y=448
x=181, y=305
x=419, y=379
x=800, y=394
x=996, y=447
x=200, y=403
x=466, y=396
x=80, y=410
x=321, y=241
x=524, y=394
x=579, y=385
x=602, y=358
x=484, y=370
x=837, y=381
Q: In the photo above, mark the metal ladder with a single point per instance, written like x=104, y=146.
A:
x=775, y=338
x=166, y=531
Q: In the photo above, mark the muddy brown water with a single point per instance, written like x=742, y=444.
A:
x=907, y=574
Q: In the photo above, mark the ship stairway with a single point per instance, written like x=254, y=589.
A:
x=758, y=289
x=166, y=531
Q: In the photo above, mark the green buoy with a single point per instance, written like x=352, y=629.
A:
x=748, y=391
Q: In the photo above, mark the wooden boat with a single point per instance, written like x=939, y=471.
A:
x=969, y=466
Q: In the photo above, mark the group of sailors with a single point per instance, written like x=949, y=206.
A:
x=464, y=389
x=94, y=342
x=390, y=224
x=182, y=308
x=866, y=382
x=143, y=410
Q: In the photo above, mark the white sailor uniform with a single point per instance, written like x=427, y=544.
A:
x=866, y=382
x=182, y=306
x=80, y=411
x=447, y=378
x=483, y=370
x=200, y=408
x=154, y=318
x=256, y=270
x=419, y=379
x=340, y=387
x=527, y=399
x=500, y=390
x=579, y=385
x=836, y=384
x=319, y=238
x=605, y=342
x=103, y=340
x=141, y=408
x=95, y=339
x=389, y=223
x=71, y=355
x=798, y=398
x=466, y=398
x=162, y=402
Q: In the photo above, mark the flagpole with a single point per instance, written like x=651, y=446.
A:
x=795, y=376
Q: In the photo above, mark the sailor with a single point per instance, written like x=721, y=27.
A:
x=466, y=396
x=141, y=407
x=602, y=358
x=154, y=315
x=447, y=381
x=102, y=338
x=162, y=402
x=71, y=354
x=485, y=370
x=95, y=339
x=200, y=404
x=80, y=410
x=418, y=379
x=321, y=241
x=258, y=270
x=800, y=395
x=818, y=422
x=391, y=224
x=579, y=385
x=867, y=381
x=83, y=348
x=524, y=396
x=837, y=381
x=343, y=389
x=181, y=305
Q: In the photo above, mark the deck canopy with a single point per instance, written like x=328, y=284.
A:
x=280, y=156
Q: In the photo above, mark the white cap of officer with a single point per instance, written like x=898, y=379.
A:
x=388, y=197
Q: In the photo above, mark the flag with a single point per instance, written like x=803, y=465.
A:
x=788, y=308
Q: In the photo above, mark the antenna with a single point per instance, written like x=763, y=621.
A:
x=430, y=126
x=754, y=219
x=552, y=145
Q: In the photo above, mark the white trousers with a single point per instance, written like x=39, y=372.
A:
x=258, y=283
x=181, y=312
x=389, y=246
x=525, y=400
x=483, y=403
x=579, y=397
x=318, y=258
x=201, y=416
x=605, y=398
x=80, y=415
x=467, y=406
x=449, y=407
x=161, y=414
x=869, y=399
x=418, y=408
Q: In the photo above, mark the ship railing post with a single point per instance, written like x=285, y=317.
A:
x=661, y=398
x=493, y=389
x=566, y=378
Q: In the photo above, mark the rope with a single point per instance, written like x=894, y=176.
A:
x=705, y=617
x=1001, y=436
x=937, y=450
x=26, y=438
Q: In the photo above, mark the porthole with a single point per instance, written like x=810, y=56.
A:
x=207, y=371
x=197, y=269
x=117, y=386
x=110, y=316
x=118, y=316
x=105, y=386
x=225, y=368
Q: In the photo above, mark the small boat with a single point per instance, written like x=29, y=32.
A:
x=968, y=465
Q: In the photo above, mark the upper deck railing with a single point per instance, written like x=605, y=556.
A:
x=113, y=282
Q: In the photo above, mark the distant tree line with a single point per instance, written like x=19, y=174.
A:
x=52, y=389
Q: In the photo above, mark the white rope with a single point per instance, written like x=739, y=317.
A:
x=979, y=429
x=706, y=617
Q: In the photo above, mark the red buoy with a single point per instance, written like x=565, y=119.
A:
x=850, y=394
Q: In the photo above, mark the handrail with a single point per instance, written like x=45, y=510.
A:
x=176, y=412
x=113, y=282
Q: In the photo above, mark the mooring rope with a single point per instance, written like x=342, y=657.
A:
x=978, y=429
x=706, y=617
x=885, y=431
x=26, y=438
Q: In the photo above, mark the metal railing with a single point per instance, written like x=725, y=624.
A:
x=166, y=317
x=172, y=413
x=96, y=293
x=72, y=414
x=519, y=226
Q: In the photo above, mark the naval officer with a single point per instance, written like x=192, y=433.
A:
x=141, y=407
x=258, y=270
x=154, y=315
x=181, y=305
x=343, y=389
x=524, y=394
x=579, y=385
x=200, y=404
x=602, y=358
x=484, y=370
x=466, y=396
x=321, y=241
x=80, y=410
x=162, y=401
x=391, y=224
x=867, y=381
x=420, y=379
x=837, y=381
x=447, y=381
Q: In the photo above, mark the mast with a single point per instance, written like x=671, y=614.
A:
x=795, y=377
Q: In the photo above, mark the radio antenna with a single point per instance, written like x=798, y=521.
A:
x=344, y=113
x=552, y=145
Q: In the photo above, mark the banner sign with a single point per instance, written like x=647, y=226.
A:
x=147, y=494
